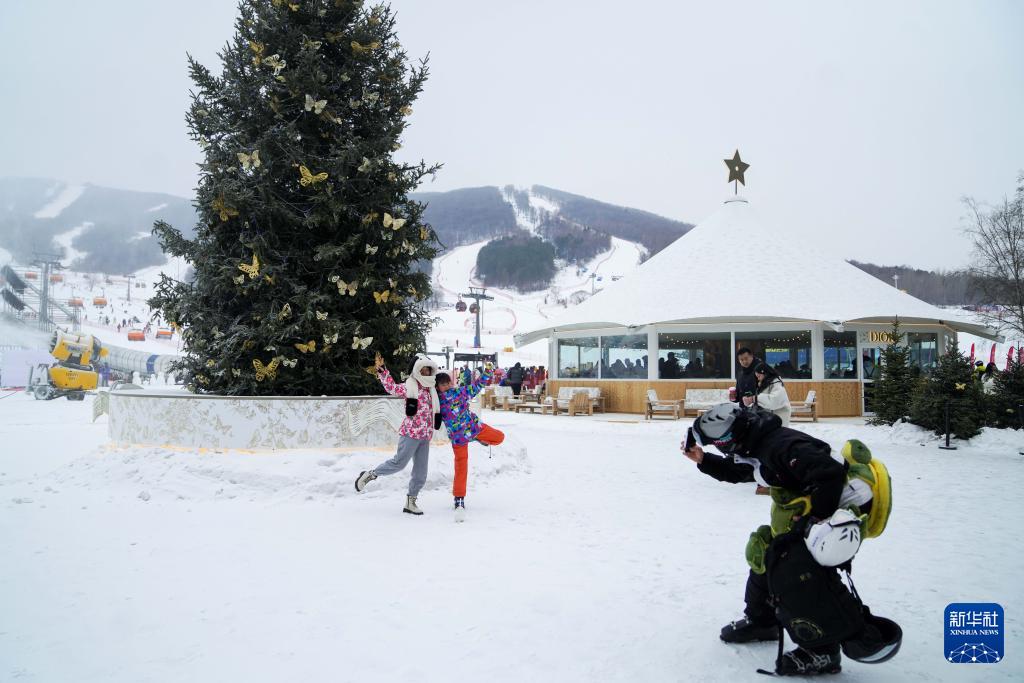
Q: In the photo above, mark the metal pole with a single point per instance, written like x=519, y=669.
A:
x=947, y=447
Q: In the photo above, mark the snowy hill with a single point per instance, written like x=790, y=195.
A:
x=97, y=229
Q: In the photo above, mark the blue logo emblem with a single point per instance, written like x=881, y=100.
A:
x=974, y=633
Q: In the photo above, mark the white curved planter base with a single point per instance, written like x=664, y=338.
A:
x=200, y=421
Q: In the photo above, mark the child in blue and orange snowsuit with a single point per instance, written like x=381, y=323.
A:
x=464, y=426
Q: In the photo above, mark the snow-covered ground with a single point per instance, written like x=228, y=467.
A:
x=593, y=552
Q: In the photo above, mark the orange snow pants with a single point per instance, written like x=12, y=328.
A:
x=489, y=436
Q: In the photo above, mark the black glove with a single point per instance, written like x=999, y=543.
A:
x=437, y=421
x=410, y=406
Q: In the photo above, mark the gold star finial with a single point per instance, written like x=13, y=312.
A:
x=737, y=167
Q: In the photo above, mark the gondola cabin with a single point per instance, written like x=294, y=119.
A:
x=136, y=335
x=99, y=301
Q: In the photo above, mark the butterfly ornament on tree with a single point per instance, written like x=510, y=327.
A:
x=314, y=105
x=265, y=371
x=251, y=270
x=361, y=342
x=223, y=210
x=249, y=160
x=392, y=222
x=309, y=178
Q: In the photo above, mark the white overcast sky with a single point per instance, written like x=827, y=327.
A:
x=863, y=122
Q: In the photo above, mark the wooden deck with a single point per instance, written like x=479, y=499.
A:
x=835, y=398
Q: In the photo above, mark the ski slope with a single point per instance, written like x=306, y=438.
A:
x=513, y=312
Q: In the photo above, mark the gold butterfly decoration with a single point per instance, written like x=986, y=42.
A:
x=359, y=49
x=314, y=105
x=249, y=160
x=269, y=279
x=328, y=339
x=251, y=270
x=397, y=146
x=326, y=349
x=265, y=371
x=239, y=280
x=309, y=178
x=320, y=315
x=381, y=297
x=371, y=250
x=314, y=44
x=257, y=49
x=370, y=97
x=202, y=379
x=393, y=223
x=392, y=176
x=210, y=363
x=248, y=344
x=402, y=327
x=424, y=233
x=333, y=37
x=275, y=62
x=961, y=386
x=392, y=282
x=290, y=362
x=365, y=166
x=286, y=311
x=361, y=342
x=236, y=372
x=226, y=212
x=346, y=287
x=405, y=111
x=370, y=217
x=345, y=78
x=307, y=348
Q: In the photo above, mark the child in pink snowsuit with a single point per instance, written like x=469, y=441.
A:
x=423, y=416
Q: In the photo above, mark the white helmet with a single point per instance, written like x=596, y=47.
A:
x=835, y=540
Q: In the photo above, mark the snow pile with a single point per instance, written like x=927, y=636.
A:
x=167, y=474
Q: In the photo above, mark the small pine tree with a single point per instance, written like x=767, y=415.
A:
x=305, y=251
x=1007, y=395
x=953, y=380
x=894, y=389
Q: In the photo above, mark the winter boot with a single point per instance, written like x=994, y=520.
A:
x=460, y=509
x=410, y=506
x=746, y=631
x=801, y=662
x=363, y=479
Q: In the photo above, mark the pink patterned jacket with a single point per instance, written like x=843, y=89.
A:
x=419, y=426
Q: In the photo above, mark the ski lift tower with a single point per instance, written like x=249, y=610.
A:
x=479, y=294
x=130, y=277
x=48, y=263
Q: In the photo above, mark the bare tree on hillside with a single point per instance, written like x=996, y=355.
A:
x=997, y=268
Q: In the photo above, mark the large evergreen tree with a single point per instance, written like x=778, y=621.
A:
x=307, y=237
x=952, y=380
x=894, y=388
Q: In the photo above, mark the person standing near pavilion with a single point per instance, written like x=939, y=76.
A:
x=746, y=382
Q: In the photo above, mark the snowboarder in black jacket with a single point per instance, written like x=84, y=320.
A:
x=759, y=449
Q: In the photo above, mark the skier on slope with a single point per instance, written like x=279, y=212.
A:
x=807, y=486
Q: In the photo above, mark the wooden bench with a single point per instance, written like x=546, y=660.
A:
x=703, y=399
x=806, y=410
x=664, y=407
